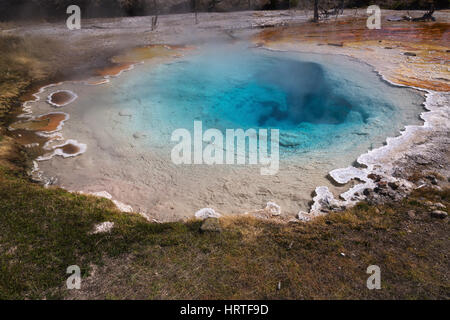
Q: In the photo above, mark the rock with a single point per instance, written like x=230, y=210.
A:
x=421, y=182
x=393, y=195
x=432, y=179
x=393, y=185
x=374, y=177
x=397, y=173
x=377, y=211
x=422, y=161
x=103, y=227
x=122, y=206
x=139, y=135
x=303, y=216
x=211, y=225
x=380, y=191
x=273, y=208
x=336, y=44
x=439, y=214
x=337, y=208
x=382, y=184
x=125, y=113
x=411, y=214
x=439, y=205
x=206, y=213
x=394, y=18
x=428, y=203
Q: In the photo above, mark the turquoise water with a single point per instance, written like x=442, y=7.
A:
x=319, y=103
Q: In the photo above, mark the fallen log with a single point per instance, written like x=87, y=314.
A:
x=427, y=16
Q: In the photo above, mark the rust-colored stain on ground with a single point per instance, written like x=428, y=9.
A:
x=409, y=53
x=46, y=123
x=114, y=70
x=348, y=31
x=150, y=52
x=126, y=60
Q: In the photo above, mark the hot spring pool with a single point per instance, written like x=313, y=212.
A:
x=328, y=110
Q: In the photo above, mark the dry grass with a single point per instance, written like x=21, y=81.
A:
x=22, y=62
x=43, y=231
x=250, y=258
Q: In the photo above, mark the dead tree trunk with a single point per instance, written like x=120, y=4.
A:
x=155, y=18
x=195, y=8
x=316, y=11
x=427, y=16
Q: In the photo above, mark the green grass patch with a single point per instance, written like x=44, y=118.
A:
x=43, y=231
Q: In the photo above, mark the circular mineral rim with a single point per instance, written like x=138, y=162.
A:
x=61, y=98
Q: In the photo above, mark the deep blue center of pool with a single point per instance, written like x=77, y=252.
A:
x=284, y=93
x=317, y=104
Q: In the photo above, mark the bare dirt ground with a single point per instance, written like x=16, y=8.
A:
x=100, y=38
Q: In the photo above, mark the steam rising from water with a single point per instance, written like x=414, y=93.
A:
x=317, y=102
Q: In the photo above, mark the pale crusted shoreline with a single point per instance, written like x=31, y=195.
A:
x=385, y=162
x=381, y=163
